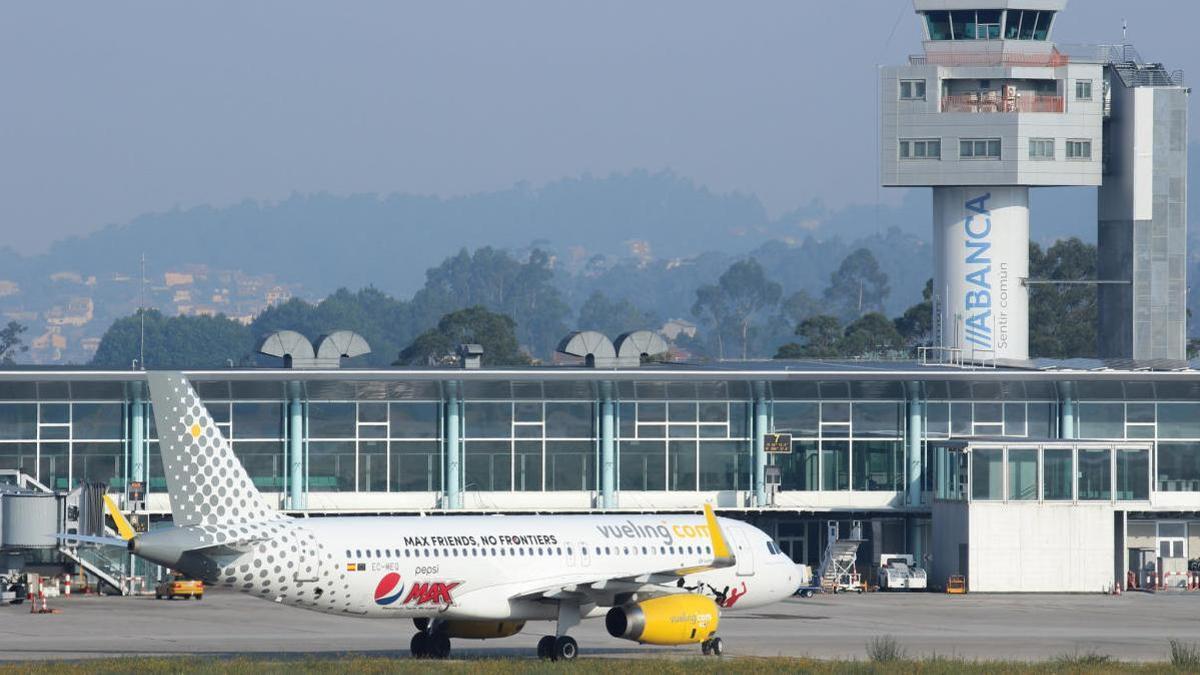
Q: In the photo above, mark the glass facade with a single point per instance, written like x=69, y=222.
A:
x=848, y=436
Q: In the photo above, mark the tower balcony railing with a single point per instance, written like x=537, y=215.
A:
x=987, y=103
x=1052, y=59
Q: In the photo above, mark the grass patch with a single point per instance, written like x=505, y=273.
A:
x=1185, y=656
x=337, y=664
x=885, y=649
x=1085, y=659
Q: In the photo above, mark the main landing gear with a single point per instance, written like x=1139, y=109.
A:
x=712, y=647
x=429, y=642
x=562, y=648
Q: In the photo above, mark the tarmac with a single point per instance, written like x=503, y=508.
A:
x=1132, y=627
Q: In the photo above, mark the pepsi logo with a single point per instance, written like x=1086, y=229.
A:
x=389, y=589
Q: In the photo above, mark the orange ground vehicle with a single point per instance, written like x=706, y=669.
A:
x=178, y=587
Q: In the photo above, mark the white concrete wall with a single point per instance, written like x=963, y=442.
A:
x=1040, y=548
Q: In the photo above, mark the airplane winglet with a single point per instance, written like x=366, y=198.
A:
x=722, y=554
x=123, y=527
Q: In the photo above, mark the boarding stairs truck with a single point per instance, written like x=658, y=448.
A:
x=837, y=573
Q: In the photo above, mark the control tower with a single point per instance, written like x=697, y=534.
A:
x=993, y=107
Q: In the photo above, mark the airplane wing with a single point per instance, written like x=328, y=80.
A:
x=597, y=589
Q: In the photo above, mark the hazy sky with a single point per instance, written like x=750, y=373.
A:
x=112, y=109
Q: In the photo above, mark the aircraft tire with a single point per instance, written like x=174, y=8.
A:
x=545, y=647
x=704, y=648
x=716, y=647
x=439, y=646
x=565, y=648
x=419, y=646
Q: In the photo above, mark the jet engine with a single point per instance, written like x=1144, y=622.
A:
x=681, y=619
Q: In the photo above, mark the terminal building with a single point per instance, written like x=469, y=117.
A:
x=1018, y=474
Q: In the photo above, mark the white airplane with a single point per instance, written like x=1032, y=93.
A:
x=656, y=579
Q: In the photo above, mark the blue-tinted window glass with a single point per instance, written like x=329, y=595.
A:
x=527, y=466
x=416, y=466
x=1178, y=467
x=263, y=461
x=939, y=25
x=570, y=465
x=835, y=465
x=370, y=411
x=487, y=466
x=799, y=418
x=56, y=413
x=98, y=421
x=331, y=466
x=18, y=421
x=877, y=419
x=488, y=420
x=724, y=465
x=652, y=412
x=569, y=420
x=643, y=465
x=1133, y=474
x=835, y=412
x=19, y=456
x=681, y=465
x=937, y=419
x=372, y=466
x=878, y=465
x=960, y=419
x=98, y=463
x=1179, y=420
x=1043, y=25
x=962, y=23
x=1029, y=20
x=1095, y=474
x=1102, y=420
x=414, y=420
x=799, y=470
x=258, y=420
x=711, y=411
x=54, y=466
x=987, y=473
x=1022, y=474
x=627, y=415
x=1012, y=24
x=1058, y=469
x=1043, y=420
x=330, y=420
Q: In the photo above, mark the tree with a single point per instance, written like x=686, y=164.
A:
x=11, y=343
x=1063, y=318
x=493, y=279
x=385, y=322
x=495, y=332
x=614, y=317
x=739, y=297
x=857, y=286
x=916, y=324
x=819, y=339
x=175, y=342
x=870, y=333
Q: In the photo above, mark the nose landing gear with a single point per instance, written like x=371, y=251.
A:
x=712, y=647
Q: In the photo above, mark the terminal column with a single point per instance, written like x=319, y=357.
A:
x=137, y=440
x=1066, y=410
x=760, y=449
x=912, y=440
x=453, y=449
x=608, y=496
x=295, y=447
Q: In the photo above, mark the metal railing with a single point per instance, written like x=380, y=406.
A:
x=1052, y=59
x=975, y=103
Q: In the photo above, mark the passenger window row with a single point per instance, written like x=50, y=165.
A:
x=388, y=553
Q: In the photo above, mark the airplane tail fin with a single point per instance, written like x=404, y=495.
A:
x=206, y=482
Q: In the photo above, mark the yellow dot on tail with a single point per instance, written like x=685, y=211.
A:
x=195, y=431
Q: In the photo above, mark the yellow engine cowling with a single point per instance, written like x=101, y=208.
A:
x=680, y=619
x=482, y=630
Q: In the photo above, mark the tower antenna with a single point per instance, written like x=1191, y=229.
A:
x=142, y=316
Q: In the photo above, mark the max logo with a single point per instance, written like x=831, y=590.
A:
x=432, y=593
x=734, y=596
x=389, y=590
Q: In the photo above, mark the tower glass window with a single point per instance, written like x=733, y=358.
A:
x=920, y=148
x=979, y=148
x=1079, y=149
x=939, y=25
x=1041, y=148
x=912, y=90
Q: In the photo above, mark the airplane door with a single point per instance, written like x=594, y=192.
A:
x=745, y=554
